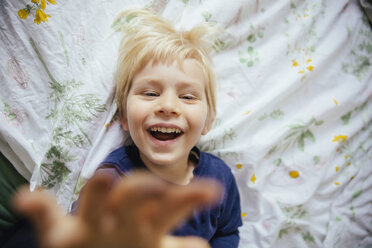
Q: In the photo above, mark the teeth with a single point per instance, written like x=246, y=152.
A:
x=165, y=130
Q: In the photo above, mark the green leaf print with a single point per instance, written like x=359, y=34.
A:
x=319, y=123
x=220, y=143
x=277, y=162
x=220, y=45
x=250, y=58
x=277, y=114
x=263, y=117
x=292, y=215
x=272, y=150
x=6, y=107
x=13, y=114
x=308, y=237
x=257, y=32
x=296, y=126
x=301, y=132
x=252, y=38
x=316, y=160
x=283, y=232
x=346, y=118
x=309, y=135
x=357, y=193
x=301, y=142
x=64, y=48
x=359, y=60
x=68, y=111
x=55, y=171
x=207, y=15
x=79, y=185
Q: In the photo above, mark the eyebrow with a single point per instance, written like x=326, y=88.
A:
x=182, y=84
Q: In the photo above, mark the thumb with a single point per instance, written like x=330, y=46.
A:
x=40, y=207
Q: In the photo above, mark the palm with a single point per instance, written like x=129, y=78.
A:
x=135, y=213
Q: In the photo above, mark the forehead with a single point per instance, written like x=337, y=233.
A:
x=185, y=71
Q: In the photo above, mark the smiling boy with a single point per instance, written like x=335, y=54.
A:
x=166, y=101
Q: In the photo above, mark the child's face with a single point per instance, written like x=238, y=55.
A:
x=167, y=111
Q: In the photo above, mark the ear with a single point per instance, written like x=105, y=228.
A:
x=208, y=124
x=124, y=123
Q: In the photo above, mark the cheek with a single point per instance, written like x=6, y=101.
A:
x=136, y=113
x=199, y=118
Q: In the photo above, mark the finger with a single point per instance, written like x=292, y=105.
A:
x=40, y=207
x=184, y=242
x=180, y=202
x=135, y=191
x=93, y=199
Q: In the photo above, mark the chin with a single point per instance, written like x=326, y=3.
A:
x=164, y=159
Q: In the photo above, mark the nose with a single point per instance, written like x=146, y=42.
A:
x=168, y=105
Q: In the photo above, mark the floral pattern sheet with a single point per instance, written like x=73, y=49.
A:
x=294, y=107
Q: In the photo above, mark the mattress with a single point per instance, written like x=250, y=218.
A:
x=293, y=118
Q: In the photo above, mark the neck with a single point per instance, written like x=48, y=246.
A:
x=180, y=173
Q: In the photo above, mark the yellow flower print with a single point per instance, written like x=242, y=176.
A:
x=337, y=168
x=40, y=16
x=244, y=214
x=304, y=65
x=294, y=174
x=239, y=166
x=340, y=138
x=42, y=4
x=301, y=16
x=294, y=63
x=253, y=178
x=39, y=7
x=337, y=183
x=23, y=13
x=310, y=67
x=37, y=21
x=248, y=112
x=335, y=101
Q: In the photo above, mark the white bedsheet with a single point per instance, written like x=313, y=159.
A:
x=294, y=107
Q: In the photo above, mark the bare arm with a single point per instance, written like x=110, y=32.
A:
x=137, y=212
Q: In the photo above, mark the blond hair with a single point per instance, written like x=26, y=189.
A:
x=149, y=37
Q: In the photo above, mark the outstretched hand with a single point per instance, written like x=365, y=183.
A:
x=136, y=212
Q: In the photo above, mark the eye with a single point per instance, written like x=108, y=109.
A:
x=188, y=97
x=150, y=93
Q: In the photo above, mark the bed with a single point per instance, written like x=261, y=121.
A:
x=294, y=107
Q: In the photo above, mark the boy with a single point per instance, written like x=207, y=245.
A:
x=165, y=98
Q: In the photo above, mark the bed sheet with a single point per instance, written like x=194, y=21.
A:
x=294, y=107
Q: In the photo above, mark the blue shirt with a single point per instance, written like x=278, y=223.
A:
x=219, y=225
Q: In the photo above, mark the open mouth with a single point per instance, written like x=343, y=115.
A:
x=165, y=133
